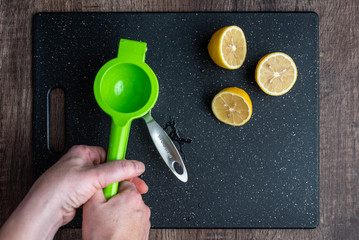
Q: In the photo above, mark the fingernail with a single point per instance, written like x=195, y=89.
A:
x=140, y=167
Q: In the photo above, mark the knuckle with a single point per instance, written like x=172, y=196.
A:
x=134, y=195
x=122, y=164
x=84, y=150
x=77, y=148
x=125, y=167
x=148, y=226
x=97, y=176
x=147, y=211
x=76, y=153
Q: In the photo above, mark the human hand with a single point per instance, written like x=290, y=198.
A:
x=124, y=216
x=76, y=177
x=68, y=184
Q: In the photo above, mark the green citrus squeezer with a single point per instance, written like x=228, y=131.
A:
x=125, y=88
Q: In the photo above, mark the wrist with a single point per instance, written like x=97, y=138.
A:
x=44, y=206
x=37, y=217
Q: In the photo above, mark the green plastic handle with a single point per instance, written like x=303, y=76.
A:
x=116, y=151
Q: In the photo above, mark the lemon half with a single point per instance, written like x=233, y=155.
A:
x=276, y=73
x=232, y=106
x=228, y=47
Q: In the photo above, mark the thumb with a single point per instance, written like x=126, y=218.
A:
x=117, y=171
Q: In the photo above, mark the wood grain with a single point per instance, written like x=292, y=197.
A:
x=338, y=104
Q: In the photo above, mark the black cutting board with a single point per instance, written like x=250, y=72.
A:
x=261, y=175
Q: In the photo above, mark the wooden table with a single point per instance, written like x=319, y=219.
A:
x=338, y=99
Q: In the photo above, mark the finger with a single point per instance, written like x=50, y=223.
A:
x=141, y=185
x=127, y=193
x=98, y=197
x=93, y=155
x=117, y=171
x=126, y=185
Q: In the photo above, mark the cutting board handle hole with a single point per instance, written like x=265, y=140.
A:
x=56, y=120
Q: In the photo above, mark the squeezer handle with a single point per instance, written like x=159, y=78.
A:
x=166, y=148
x=116, y=151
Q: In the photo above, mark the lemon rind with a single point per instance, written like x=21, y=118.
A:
x=264, y=59
x=249, y=109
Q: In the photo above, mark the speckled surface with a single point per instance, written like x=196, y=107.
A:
x=261, y=175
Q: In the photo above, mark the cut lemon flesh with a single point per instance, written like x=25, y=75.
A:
x=228, y=47
x=232, y=106
x=276, y=73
